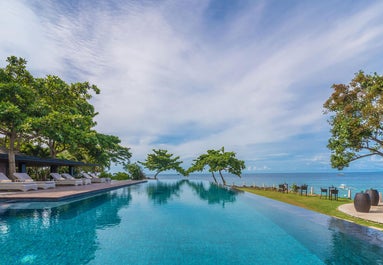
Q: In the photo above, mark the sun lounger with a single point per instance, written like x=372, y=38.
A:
x=84, y=180
x=93, y=175
x=94, y=180
x=24, y=177
x=60, y=181
x=7, y=184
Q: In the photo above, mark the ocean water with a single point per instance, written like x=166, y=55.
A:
x=354, y=181
x=180, y=222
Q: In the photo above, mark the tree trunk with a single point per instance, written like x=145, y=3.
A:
x=215, y=180
x=11, y=156
x=223, y=180
x=52, y=151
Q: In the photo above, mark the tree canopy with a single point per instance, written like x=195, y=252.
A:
x=160, y=160
x=218, y=161
x=356, y=117
x=44, y=116
x=68, y=116
x=102, y=149
x=135, y=171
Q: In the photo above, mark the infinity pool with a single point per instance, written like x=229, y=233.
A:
x=179, y=222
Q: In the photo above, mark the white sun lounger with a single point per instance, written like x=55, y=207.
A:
x=61, y=181
x=84, y=180
x=93, y=175
x=93, y=179
x=24, y=177
x=7, y=184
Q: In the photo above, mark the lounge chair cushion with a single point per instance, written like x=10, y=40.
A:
x=5, y=180
x=29, y=180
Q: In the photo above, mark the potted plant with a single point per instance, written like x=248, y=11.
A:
x=374, y=196
x=362, y=202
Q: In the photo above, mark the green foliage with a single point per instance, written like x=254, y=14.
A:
x=67, y=116
x=313, y=203
x=161, y=161
x=218, y=161
x=356, y=118
x=294, y=187
x=135, y=171
x=101, y=149
x=33, y=150
x=120, y=176
x=104, y=174
x=18, y=104
x=47, y=114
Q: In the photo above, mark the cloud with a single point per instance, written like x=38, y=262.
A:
x=185, y=77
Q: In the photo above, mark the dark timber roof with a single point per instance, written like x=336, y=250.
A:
x=36, y=161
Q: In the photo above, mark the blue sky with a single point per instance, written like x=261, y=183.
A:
x=188, y=76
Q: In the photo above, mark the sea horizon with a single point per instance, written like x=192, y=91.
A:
x=344, y=181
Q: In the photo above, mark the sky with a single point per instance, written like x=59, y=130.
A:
x=189, y=76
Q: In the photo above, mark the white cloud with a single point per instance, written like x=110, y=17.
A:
x=163, y=76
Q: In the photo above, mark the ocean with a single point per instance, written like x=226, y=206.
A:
x=354, y=181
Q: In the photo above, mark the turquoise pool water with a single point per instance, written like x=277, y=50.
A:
x=179, y=222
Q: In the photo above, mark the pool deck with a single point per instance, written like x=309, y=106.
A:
x=64, y=192
x=375, y=214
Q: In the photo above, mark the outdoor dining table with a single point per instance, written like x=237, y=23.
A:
x=332, y=191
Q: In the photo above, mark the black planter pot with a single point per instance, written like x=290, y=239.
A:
x=362, y=202
x=374, y=196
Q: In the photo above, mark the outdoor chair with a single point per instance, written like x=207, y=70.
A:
x=7, y=184
x=93, y=175
x=24, y=177
x=303, y=188
x=61, y=181
x=92, y=179
x=333, y=192
x=323, y=191
x=69, y=176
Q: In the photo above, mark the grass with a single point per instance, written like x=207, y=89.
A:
x=313, y=203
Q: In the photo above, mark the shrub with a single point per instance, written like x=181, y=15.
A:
x=106, y=175
x=135, y=171
x=294, y=187
x=120, y=176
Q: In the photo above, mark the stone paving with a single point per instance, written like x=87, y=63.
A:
x=64, y=192
x=375, y=214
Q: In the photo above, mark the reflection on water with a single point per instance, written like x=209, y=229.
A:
x=363, y=245
x=61, y=235
x=129, y=225
x=160, y=192
x=214, y=194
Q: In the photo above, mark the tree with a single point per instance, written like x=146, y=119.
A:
x=161, y=161
x=135, y=171
x=102, y=149
x=356, y=118
x=68, y=116
x=218, y=161
x=48, y=117
x=18, y=104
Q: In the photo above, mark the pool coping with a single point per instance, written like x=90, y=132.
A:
x=64, y=192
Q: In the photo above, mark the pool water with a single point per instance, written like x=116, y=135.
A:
x=179, y=222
